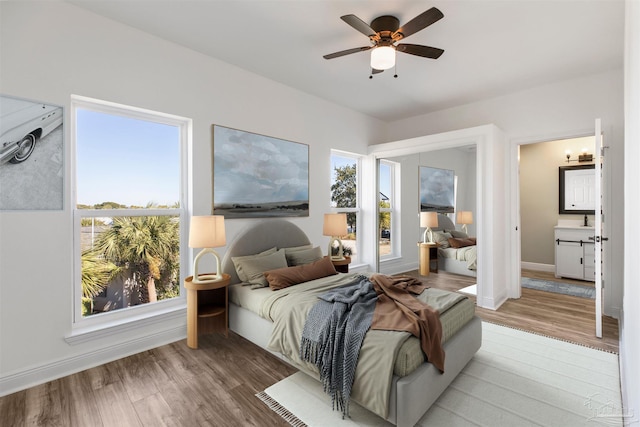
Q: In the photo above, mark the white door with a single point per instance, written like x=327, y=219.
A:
x=598, y=226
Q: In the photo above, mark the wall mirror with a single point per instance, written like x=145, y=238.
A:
x=577, y=189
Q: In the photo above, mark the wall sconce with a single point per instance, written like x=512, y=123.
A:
x=335, y=225
x=464, y=218
x=428, y=220
x=582, y=157
x=207, y=232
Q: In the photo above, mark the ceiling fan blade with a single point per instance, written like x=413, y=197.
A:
x=420, y=22
x=376, y=71
x=420, y=50
x=346, y=52
x=359, y=25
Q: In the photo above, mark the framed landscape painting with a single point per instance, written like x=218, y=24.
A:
x=436, y=190
x=257, y=176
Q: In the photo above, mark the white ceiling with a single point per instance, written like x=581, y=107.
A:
x=491, y=47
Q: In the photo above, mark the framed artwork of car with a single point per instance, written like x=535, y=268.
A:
x=31, y=155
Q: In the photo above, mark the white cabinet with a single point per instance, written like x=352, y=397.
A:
x=575, y=257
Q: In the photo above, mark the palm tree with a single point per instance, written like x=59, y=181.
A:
x=96, y=275
x=147, y=245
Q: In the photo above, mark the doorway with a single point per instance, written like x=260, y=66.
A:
x=540, y=215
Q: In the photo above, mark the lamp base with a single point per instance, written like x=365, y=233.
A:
x=205, y=279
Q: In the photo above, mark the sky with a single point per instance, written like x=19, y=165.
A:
x=127, y=161
x=253, y=168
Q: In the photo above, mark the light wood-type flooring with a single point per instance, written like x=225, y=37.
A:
x=564, y=317
x=216, y=384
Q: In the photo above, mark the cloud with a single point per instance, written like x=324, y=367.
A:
x=252, y=168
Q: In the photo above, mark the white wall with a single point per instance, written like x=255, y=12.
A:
x=555, y=111
x=630, y=334
x=51, y=50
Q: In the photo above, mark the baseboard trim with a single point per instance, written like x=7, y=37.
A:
x=550, y=268
x=24, y=379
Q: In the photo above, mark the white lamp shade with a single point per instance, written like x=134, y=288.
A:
x=464, y=217
x=335, y=224
x=428, y=219
x=383, y=57
x=207, y=232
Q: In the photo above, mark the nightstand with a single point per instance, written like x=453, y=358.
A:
x=428, y=255
x=207, y=308
x=342, y=266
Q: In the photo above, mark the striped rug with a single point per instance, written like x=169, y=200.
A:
x=516, y=379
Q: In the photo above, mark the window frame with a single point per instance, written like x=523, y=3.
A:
x=84, y=328
x=357, y=210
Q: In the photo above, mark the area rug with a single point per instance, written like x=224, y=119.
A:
x=516, y=379
x=559, y=288
x=470, y=290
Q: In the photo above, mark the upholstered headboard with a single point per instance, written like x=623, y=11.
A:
x=259, y=237
x=444, y=223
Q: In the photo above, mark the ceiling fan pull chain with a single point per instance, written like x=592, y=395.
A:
x=395, y=71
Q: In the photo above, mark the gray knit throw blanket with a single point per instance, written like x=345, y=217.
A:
x=333, y=335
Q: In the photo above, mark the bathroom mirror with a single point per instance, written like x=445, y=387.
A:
x=577, y=189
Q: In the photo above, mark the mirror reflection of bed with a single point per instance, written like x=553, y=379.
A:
x=258, y=312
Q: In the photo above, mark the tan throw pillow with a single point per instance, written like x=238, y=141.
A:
x=238, y=262
x=304, y=256
x=254, y=268
x=458, y=242
x=285, y=277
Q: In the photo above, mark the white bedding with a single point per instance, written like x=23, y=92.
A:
x=468, y=254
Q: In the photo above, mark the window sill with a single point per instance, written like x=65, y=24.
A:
x=106, y=329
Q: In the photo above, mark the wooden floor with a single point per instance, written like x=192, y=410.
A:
x=564, y=317
x=215, y=385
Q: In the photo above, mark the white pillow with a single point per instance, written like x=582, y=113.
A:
x=238, y=262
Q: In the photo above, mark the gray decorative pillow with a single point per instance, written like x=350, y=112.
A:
x=238, y=262
x=442, y=238
x=458, y=234
x=303, y=256
x=287, y=251
x=255, y=267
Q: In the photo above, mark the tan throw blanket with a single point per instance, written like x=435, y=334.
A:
x=398, y=310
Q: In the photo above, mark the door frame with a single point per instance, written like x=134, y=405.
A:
x=514, y=284
x=491, y=205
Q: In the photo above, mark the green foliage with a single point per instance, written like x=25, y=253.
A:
x=148, y=246
x=344, y=191
x=384, y=219
x=97, y=272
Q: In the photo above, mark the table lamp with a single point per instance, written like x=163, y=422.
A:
x=428, y=220
x=464, y=218
x=207, y=232
x=335, y=225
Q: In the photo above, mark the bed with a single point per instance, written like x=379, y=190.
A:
x=410, y=393
x=453, y=260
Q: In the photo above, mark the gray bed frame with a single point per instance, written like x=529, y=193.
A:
x=412, y=395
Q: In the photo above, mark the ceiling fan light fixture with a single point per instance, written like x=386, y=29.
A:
x=383, y=57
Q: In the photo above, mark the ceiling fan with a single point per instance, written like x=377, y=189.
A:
x=384, y=32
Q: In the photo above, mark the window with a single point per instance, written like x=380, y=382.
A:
x=129, y=211
x=387, y=220
x=345, y=196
